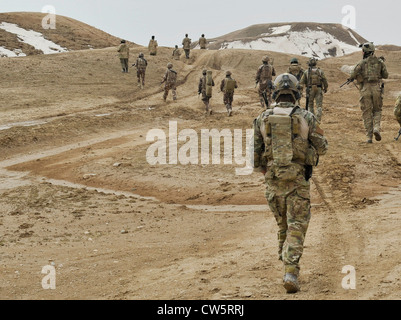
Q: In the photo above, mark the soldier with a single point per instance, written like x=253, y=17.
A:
x=124, y=55
x=153, y=46
x=316, y=84
x=295, y=69
x=205, y=88
x=264, y=79
x=369, y=72
x=287, y=144
x=141, y=65
x=176, y=53
x=170, y=78
x=228, y=86
x=202, y=42
x=186, y=43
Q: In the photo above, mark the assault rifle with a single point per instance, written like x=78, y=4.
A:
x=347, y=82
x=399, y=135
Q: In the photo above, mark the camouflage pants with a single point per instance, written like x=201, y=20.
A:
x=371, y=106
x=289, y=201
x=187, y=51
x=228, y=100
x=316, y=100
x=173, y=89
x=124, y=64
x=206, y=100
x=140, y=73
x=264, y=88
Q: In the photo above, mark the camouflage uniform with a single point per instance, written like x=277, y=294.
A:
x=264, y=78
x=202, y=90
x=141, y=65
x=295, y=69
x=228, y=96
x=176, y=53
x=170, y=80
x=369, y=72
x=123, y=51
x=186, y=46
x=287, y=181
x=397, y=110
x=153, y=46
x=315, y=79
x=202, y=42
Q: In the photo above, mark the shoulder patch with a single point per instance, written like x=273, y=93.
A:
x=319, y=130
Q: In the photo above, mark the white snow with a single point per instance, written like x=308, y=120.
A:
x=280, y=30
x=32, y=38
x=308, y=43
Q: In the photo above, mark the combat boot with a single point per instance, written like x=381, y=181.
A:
x=291, y=283
x=378, y=137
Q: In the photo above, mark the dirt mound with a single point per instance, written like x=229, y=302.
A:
x=69, y=33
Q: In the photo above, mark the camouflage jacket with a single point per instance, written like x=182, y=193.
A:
x=124, y=51
x=186, y=43
x=176, y=54
x=317, y=78
x=265, y=73
x=202, y=84
x=308, y=144
x=141, y=64
x=202, y=42
x=397, y=110
x=152, y=46
x=223, y=83
x=296, y=70
x=170, y=77
x=371, y=69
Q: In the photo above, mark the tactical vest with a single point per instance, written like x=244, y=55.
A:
x=286, y=137
x=295, y=70
x=141, y=64
x=229, y=85
x=315, y=77
x=266, y=72
x=171, y=76
x=371, y=69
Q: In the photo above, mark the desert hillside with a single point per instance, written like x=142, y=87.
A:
x=78, y=193
x=69, y=34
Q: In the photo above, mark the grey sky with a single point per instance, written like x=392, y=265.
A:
x=138, y=20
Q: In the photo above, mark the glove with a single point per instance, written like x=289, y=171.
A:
x=325, y=90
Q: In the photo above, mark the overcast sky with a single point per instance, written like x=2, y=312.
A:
x=169, y=20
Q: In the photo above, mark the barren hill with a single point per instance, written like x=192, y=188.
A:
x=21, y=33
x=320, y=40
x=77, y=191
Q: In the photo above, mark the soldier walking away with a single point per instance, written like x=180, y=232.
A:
x=397, y=114
x=170, y=80
x=264, y=79
x=295, y=69
x=123, y=51
x=186, y=43
x=202, y=42
x=205, y=88
x=141, y=65
x=316, y=84
x=368, y=73
x=228, y=86
x=287, y=144
x=153, y=46
x=176, y=53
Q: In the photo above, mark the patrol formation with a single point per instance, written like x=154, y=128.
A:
x=288, y=138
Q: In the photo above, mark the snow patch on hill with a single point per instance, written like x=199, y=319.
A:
x=310, y=43
x=30, y=37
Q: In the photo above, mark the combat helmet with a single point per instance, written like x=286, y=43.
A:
x=141, y=55
x=312, y=62
x=286, y=84
x=266, y=59
x=294, y=61
x=368, y=47
x=228, y=73
x=169, y=65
